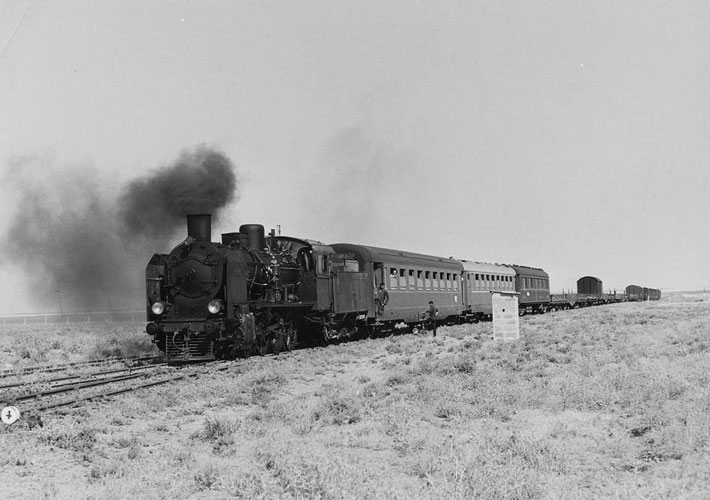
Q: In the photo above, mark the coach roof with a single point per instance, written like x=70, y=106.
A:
x=388, y=255
x=485, y=267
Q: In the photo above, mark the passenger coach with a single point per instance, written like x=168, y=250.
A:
x=533, y=285
x=411, y=281
x=479, y=281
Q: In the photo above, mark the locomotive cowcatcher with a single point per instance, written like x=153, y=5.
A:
x=250, y=294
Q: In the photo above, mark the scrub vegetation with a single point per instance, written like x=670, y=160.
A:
x=605, y=402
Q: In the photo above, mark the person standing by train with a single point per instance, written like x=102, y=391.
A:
x=382, y=297
x=430, y=317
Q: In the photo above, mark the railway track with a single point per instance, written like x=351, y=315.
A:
x=67, y=380
x=73, y=390
x=77, y=365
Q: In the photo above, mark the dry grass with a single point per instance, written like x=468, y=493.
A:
x=608, y=402
x=39, y=344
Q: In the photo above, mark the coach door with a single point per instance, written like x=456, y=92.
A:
x=379, y=275
x=321, y=267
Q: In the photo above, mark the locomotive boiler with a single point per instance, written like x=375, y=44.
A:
x=244, y=295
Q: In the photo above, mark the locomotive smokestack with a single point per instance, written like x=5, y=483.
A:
x=255, y=236
x=199, y=226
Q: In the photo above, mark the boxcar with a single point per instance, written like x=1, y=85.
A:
x=634, y=293
x=589, y=285
x=411, y=280
x=479, y=281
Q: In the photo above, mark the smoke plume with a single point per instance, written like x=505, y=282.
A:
x=73, y=234
x=200, y=181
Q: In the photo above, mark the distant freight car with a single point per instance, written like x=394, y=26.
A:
x=634, y=293
x=589, y=285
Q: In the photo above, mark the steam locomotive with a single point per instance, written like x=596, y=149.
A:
x=254, y=293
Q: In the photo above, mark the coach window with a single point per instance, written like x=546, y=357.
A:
x=402, y=279
x=393, y=278
x=410, y=280
x=456, y=281
x=427, y=279
x=420, y=280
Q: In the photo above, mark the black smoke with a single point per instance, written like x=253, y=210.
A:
x=74, y=232
x=200, y=181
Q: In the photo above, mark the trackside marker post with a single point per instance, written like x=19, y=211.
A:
x=506, y=322
x=10, y=415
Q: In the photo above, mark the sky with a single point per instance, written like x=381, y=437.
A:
x=566, y=135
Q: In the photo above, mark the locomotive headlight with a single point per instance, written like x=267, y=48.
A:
x=158, y=308
x=215, y=306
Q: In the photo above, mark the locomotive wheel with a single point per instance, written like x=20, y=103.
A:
x=277, y=342
x=289, y=339
x=262, y=345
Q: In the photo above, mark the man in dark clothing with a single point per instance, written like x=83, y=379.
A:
x=382, y=297
x=431, y=314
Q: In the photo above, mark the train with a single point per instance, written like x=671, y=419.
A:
x=257, y=293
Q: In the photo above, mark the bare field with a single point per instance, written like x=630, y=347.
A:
x=606, y=402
